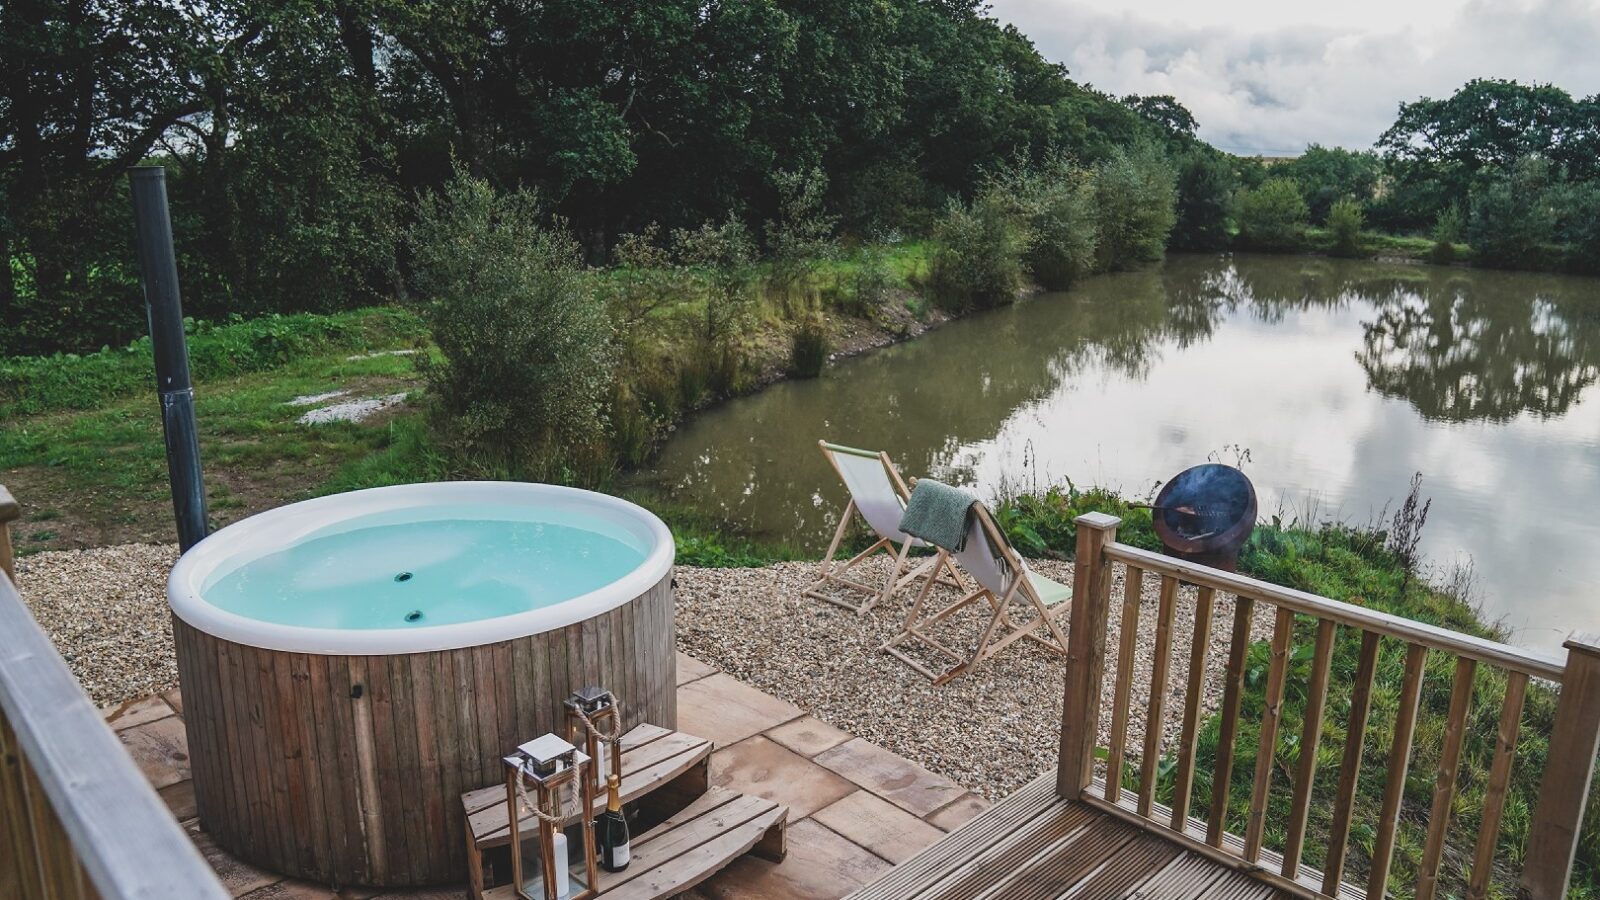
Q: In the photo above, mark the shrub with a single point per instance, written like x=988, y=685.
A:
x=809, y=348
x=1206, y=183
x=801, y=237
x=1134, y=207
x=977, y=254
x=1513, y=219
x=523, y=338
x=1272, y=216
x=722, y=260
x=1327, y=175
x=1056, y=202
x=1345, y=219
x=1446, y=232
x=869, y=282
x=1580, y=226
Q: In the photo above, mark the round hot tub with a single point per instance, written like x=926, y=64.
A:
x=351, y=665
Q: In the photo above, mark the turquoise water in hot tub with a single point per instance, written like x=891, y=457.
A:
x=417, y=574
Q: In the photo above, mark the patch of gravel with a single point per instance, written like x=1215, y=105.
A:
x=314, y=399
x=990, y=730
x=106, y=610
x=351, y=410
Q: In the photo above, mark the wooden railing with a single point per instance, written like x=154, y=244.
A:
x=1573, y=742
x=77, y=819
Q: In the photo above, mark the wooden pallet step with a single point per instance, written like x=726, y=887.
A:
x=691, y=846
x=650, y=760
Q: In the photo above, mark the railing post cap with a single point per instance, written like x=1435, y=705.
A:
x=9, y=509
x=1584, y=642
x=1097, y=520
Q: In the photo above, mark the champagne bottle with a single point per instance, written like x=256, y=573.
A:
x=612, y=830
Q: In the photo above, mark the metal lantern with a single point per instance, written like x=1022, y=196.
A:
x=555, y=768
x=594, y=721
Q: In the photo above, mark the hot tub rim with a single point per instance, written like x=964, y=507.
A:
x=188, y=603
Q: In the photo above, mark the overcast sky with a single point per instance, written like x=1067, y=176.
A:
x=1270, y=77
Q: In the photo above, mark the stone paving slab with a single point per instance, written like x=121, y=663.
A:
x=855, y=808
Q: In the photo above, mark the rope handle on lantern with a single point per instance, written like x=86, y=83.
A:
x=558, y=820
x=614, y=737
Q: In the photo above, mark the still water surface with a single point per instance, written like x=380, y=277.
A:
x=1341, y=379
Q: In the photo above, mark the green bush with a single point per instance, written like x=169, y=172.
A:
x=801, y=238
x=1446, y=232
x=977, y=254
x=1513, y=219
x=523, y=336
x=1273, y=216
x=1580, y=226
x=869, y=282
x=1345, y=219
x=1135, y=195
x=722, y=260
x=809, y=348
x=1206, y=184
x=1056, y=201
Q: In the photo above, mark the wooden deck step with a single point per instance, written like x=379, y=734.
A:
x=691, y=846
x=652, y=757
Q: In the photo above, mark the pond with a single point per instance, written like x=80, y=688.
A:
x=1331, y=381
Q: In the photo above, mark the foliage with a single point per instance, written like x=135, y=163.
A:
x=67, y=381
x=1446, y=232
x=800, y=238
x=1206, y=183
x=1513, y=219
x=721, y=258
x=1328, y=174
x=809, y=347
x=1579, y=228
x=1345, y=219
x=522, y=335
x=978, y=253
x=1055, y=201
x=1272, y=216
x=1134, y=204
x=870, y=281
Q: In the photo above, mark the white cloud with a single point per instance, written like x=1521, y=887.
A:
x=1265, y=77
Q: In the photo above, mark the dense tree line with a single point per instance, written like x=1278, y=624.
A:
x=299, y=136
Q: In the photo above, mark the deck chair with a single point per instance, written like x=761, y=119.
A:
x=878, y=494
x=1003, y=580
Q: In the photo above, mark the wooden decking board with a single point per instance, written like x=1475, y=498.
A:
x=972, y=837
x=1064, y=862
x=1239, y=886
x=1124, y=872
x=1185, y=878
x=1060, y=823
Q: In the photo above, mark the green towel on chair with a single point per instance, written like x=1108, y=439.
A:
x=939, y=514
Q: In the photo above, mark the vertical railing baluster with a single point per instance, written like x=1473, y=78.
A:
x=1569, y=769
x=1444, y=784
x=1272, y=716
x=1244, y=609
x=9, y=512
x=1394, y=785
x=1310, y=738
x=1494, y=794
x=1189, y=735
x=1350, y=767
x=1086, y=647
x=1132, y=587
x=1155, y=710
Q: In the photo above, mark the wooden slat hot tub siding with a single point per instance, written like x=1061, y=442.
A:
x=285, y=761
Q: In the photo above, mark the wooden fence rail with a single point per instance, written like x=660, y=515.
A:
x=1574, y=741
x=77, y=819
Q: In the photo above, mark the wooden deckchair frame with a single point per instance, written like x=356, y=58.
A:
x=833, y=574
x=1021, y=586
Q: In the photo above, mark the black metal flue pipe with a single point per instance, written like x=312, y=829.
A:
x=158, y=267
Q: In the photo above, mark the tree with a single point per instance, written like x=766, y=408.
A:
x=1273, y=216
x=1344, y=223
x=1134, y=204
x=1206, y=184
x=1326, y=174
x=1513, y=218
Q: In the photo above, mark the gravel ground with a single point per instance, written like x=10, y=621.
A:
x=990, y=730
x=106, y=610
